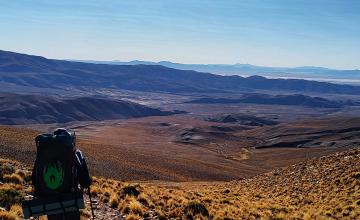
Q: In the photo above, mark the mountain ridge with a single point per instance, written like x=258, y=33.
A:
x=39, y=72
x=227, y=69
x=295, y=100
x=27, y=109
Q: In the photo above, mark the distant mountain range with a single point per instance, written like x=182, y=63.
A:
x=305, y=72
x=295, y=100
x=29, y=72
x=31, y=109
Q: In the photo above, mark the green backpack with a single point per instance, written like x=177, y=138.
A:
x=55, y=165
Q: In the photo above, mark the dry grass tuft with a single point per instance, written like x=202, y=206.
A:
x=5, y=215
x=13, y=178
x=21, y=173
x=94, y=190
x=124, y=205
x=16, y=209
x=133, y=217
x=85, y=214
x=145, y=200
x=114, y=201
x=130, y=190
x=131, y=206
x=9, y=196
x=136, y=208
x=195, y=208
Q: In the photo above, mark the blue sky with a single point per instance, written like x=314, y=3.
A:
x=268, y=32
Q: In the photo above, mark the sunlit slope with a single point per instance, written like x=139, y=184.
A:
x=321, y=188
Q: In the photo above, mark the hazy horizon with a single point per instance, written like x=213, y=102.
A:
x=174, y=62
x=225, y=64
x=271, y=33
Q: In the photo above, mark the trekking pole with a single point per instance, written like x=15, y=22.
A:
x=91, y=207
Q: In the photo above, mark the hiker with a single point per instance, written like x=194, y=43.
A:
x=58, y=171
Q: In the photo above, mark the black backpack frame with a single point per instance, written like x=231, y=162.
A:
x=58, y=149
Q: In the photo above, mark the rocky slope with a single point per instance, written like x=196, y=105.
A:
x=320, y=188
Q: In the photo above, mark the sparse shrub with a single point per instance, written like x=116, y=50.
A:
x=4, y=215
x=131, y=206
x=358, y=202
x=160, y=203
x=356, y=176
x=307, y=216
x=7, y=168
x=28, y=190
x=207, y=200
x=307, y=201
x=196, y=217
x=106, y=196
x=10, y=196
x=226, y=191
x=104, y=186
x=85, y=213
x=328, y=213
x=136, y=208
x=13, y=178
x=160, y=214
x=279, y=216
x=105, y=199
x=143, y=199
x=18, y=187
x=111, y=182
x=196, y=208
x=16, y=209
x=27, y=177
x=123, y=208
x=107, y=193
x=114, y=201
x=130, y=191
x=339, y=209
x=6, y=178
x=162, y=217
x=225, y=201
x=94, y=190
x=124, y=205
x=133, y=217
x=348, y=209
x=20, y=173
x=277, y=210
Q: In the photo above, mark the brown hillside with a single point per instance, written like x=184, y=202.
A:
x=321, y=188
x=179, y=148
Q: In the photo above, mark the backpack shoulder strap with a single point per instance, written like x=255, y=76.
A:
x=82, y=170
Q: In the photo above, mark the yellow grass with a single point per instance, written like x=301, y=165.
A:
x=16, y=209
x=5, y=215
x=322, y=188
x=328, y=187
x=13, y=178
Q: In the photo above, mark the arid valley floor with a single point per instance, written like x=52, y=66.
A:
x=163, y=143
x=196, y=167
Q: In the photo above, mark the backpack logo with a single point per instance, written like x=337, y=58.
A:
x=53, y=175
